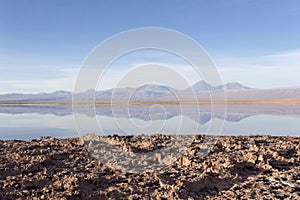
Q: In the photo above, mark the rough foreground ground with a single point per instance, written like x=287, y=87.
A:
x=255, y=167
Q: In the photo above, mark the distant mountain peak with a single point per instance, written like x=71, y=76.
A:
x=233, y=86
x=152, y=89
x=61, y=92
x=202, y=86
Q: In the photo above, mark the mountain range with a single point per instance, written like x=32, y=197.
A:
x=200, y=91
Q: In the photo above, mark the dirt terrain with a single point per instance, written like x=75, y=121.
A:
x=236, y=167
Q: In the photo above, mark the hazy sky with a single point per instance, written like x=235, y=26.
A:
x=43, y=43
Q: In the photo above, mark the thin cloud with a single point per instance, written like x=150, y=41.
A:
x=64, y=81
x=275, y=70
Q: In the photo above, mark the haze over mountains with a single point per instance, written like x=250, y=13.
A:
x=200, y=91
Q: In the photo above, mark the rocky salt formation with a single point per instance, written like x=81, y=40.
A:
x=138, y=153
x=236, y=167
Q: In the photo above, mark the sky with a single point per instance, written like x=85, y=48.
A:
x=43, y=43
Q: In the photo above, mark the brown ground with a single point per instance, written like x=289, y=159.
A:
x=255, y=167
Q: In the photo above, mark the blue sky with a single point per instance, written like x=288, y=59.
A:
x=43, y=43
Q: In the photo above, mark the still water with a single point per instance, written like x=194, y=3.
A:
x=61, y=121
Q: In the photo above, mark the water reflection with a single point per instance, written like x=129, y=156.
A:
x=25, y=121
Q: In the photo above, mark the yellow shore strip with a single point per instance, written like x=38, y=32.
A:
x=154, y=102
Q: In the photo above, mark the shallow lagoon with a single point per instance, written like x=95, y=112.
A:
x=33, y=121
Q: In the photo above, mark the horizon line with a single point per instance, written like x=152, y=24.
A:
x=154, y=102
